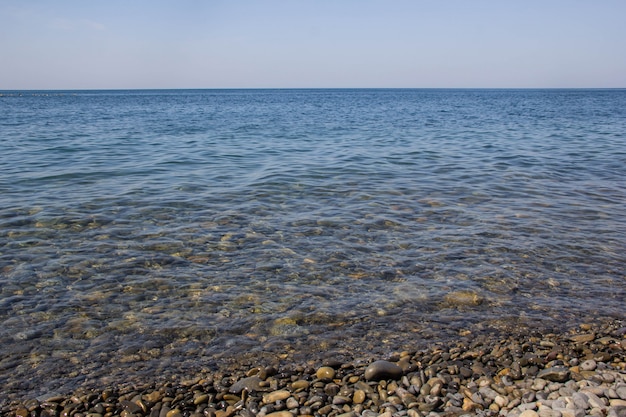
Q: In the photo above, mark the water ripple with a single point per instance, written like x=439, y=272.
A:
x=158, y=228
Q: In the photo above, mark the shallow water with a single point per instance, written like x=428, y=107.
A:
x=145, y=233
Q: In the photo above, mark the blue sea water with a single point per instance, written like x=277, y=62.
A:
x=158, y=232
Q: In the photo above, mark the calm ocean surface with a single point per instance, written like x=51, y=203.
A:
x=149, y=233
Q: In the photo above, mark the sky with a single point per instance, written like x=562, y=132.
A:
x=124, y=44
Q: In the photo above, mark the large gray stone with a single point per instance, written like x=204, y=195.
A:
x=382, y=370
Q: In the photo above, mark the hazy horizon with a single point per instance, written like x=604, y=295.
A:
x=61, y=90
x=75, y=45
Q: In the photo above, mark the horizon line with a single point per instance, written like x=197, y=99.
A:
x=308, y=88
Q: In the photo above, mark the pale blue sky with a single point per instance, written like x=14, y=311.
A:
x=81, y=44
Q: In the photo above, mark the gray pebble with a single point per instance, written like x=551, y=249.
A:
x=555, y=374
x=382, y=370
x=252, y=383
x=589, y=365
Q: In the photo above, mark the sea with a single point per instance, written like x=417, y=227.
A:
x=164, y=233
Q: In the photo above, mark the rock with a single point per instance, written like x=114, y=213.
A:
x=583, y=338
x=131, y=407
x=589, y=365
x=153, y=397
x=538, y=384
x=501, y=400
x=580, y=400
x=617, y=412
x=325, y=373
x=470, y=406
x=382, y=370
x=529, y=413
x=22, y=412
x=358, y=397
x=429, y=404
x=555, y=374
x=202, y=398
x=463, y=298
x=292, y=403
x=252, y=383
x=274, y=396
x=341, y=400
x=300, y=384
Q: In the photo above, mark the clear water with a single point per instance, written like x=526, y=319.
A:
x=148, y=233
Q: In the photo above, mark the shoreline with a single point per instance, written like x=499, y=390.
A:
x=581, y=371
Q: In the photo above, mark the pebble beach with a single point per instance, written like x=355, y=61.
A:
x=579, y=372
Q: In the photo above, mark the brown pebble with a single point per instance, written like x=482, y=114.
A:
x=583, y=338
x=274, y=396
x=325, y=373
x=358, y=397
x=202, y=398
x=300, y=384
x=230, y=411
x=22, y=412
x=469, y=405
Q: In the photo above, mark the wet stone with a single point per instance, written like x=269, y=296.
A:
x=300, y=385
x=252, y=383
x=325, y=373
x=358, y=396
x=276, y=396
x=583, y=338
x=555, y=374
x=382, y=370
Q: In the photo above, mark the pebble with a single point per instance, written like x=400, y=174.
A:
x=300, y=384
x=325, y=373
x=252, y=383
x=556, y=374
x=358, y=397
x=583, y=338
x=276, y=396
x=382, y=370
x=523, y=376
x=589, y=365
